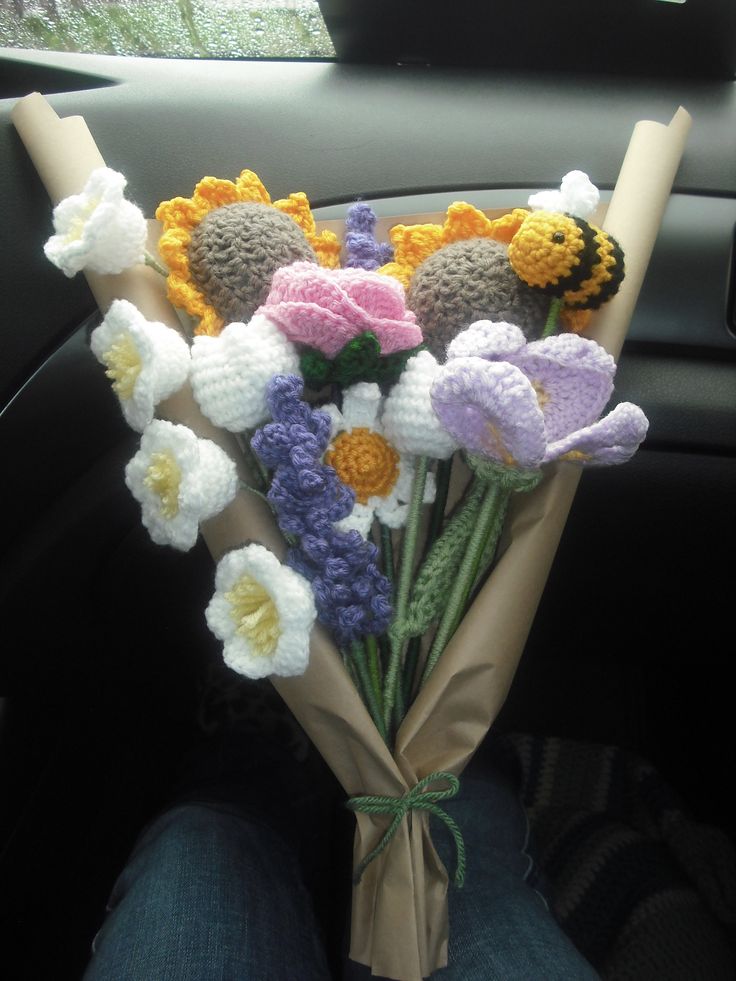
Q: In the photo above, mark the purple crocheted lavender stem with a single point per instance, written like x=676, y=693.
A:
x=351, y=594
x=362, y=250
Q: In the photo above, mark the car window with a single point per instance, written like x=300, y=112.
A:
x=180, y=29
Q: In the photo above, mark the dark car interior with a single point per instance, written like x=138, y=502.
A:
x=105, y=652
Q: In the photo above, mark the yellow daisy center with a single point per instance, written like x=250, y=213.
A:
x=123, y=363
x=255, y=615
x=163, y=477
x=366, y=462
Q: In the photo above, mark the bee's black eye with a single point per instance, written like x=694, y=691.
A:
x=558, y=237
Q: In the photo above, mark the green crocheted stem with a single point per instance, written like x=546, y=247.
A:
x=410, y=668
x=416, y=799
x=257, y=471
x=553, y=316
x=493, y=501
x=374, y=667
x=387, y=553
x=437, y=514
x=489, y=553
x=371, y=697
x=411, y=534
x=153, y=263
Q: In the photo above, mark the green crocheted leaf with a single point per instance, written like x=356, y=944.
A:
x=439, y=569
x=315, y=368
x=358, y=360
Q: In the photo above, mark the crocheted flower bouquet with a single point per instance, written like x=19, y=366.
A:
x=386, y=402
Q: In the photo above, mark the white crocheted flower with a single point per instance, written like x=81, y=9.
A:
x=577, y=196
x=97, y=229
x=409, y=419
x=231, y=372
x=366, y=461
x=263, y=611
x=179, y=481
x=146, y=361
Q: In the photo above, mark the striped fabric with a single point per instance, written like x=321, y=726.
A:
x=643, y=890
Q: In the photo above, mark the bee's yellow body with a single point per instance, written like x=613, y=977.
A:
x=567, y=257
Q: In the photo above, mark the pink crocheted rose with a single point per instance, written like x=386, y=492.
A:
x=326, y=308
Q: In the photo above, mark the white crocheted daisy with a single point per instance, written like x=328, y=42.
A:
x=179, y=480
x=366, y=461
x=409, y=420
x=97, y=229
x=263, y=611
x=146, y=361
x=230, y=372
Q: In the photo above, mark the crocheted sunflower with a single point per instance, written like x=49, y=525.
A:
x=223, y=245
x=464, y=270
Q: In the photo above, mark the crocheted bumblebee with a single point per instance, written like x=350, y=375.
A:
x=556, y=250
x=566, y=257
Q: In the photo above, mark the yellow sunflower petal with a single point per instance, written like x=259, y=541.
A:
x=327, y=248
x=296, y=206
x=250, y=188
x=172, y=247
x=178, y=213
x=213, y=192
x=210, y=324
x=504, y=228
x=575, y=321
x=463, y=222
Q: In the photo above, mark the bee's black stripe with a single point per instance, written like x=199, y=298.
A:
x=588, y=256
x=610, y=287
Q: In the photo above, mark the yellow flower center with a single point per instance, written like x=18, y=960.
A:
x=123, y=363
x=496, y=445
x=255, y=615
x=576, y=456
x=366, y=462
x=78, y=223
x=541, y=393
x=163, y=478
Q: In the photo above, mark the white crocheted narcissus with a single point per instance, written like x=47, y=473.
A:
x=230, y=372
x=408, y=418
x=179, y=481
x=365, y=461
x=263, y=612
x=146, y=361
x=98, y=229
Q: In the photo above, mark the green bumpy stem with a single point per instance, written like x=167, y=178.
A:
x=411, y=535
x=387, y=553
x=552, y=317
x=153, y=263
x=494, y=500
x=370, y=696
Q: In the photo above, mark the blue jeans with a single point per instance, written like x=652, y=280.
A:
x=214, y=891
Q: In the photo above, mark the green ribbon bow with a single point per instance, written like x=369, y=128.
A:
x=416, y=799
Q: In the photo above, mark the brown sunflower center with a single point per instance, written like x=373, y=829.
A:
x=236, y=249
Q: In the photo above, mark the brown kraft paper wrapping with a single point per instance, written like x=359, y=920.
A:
x=399, y=921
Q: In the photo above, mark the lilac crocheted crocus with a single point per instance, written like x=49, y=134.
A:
x=351, y=594
x=362, y=249
x=326, y=308
x=523, y=405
